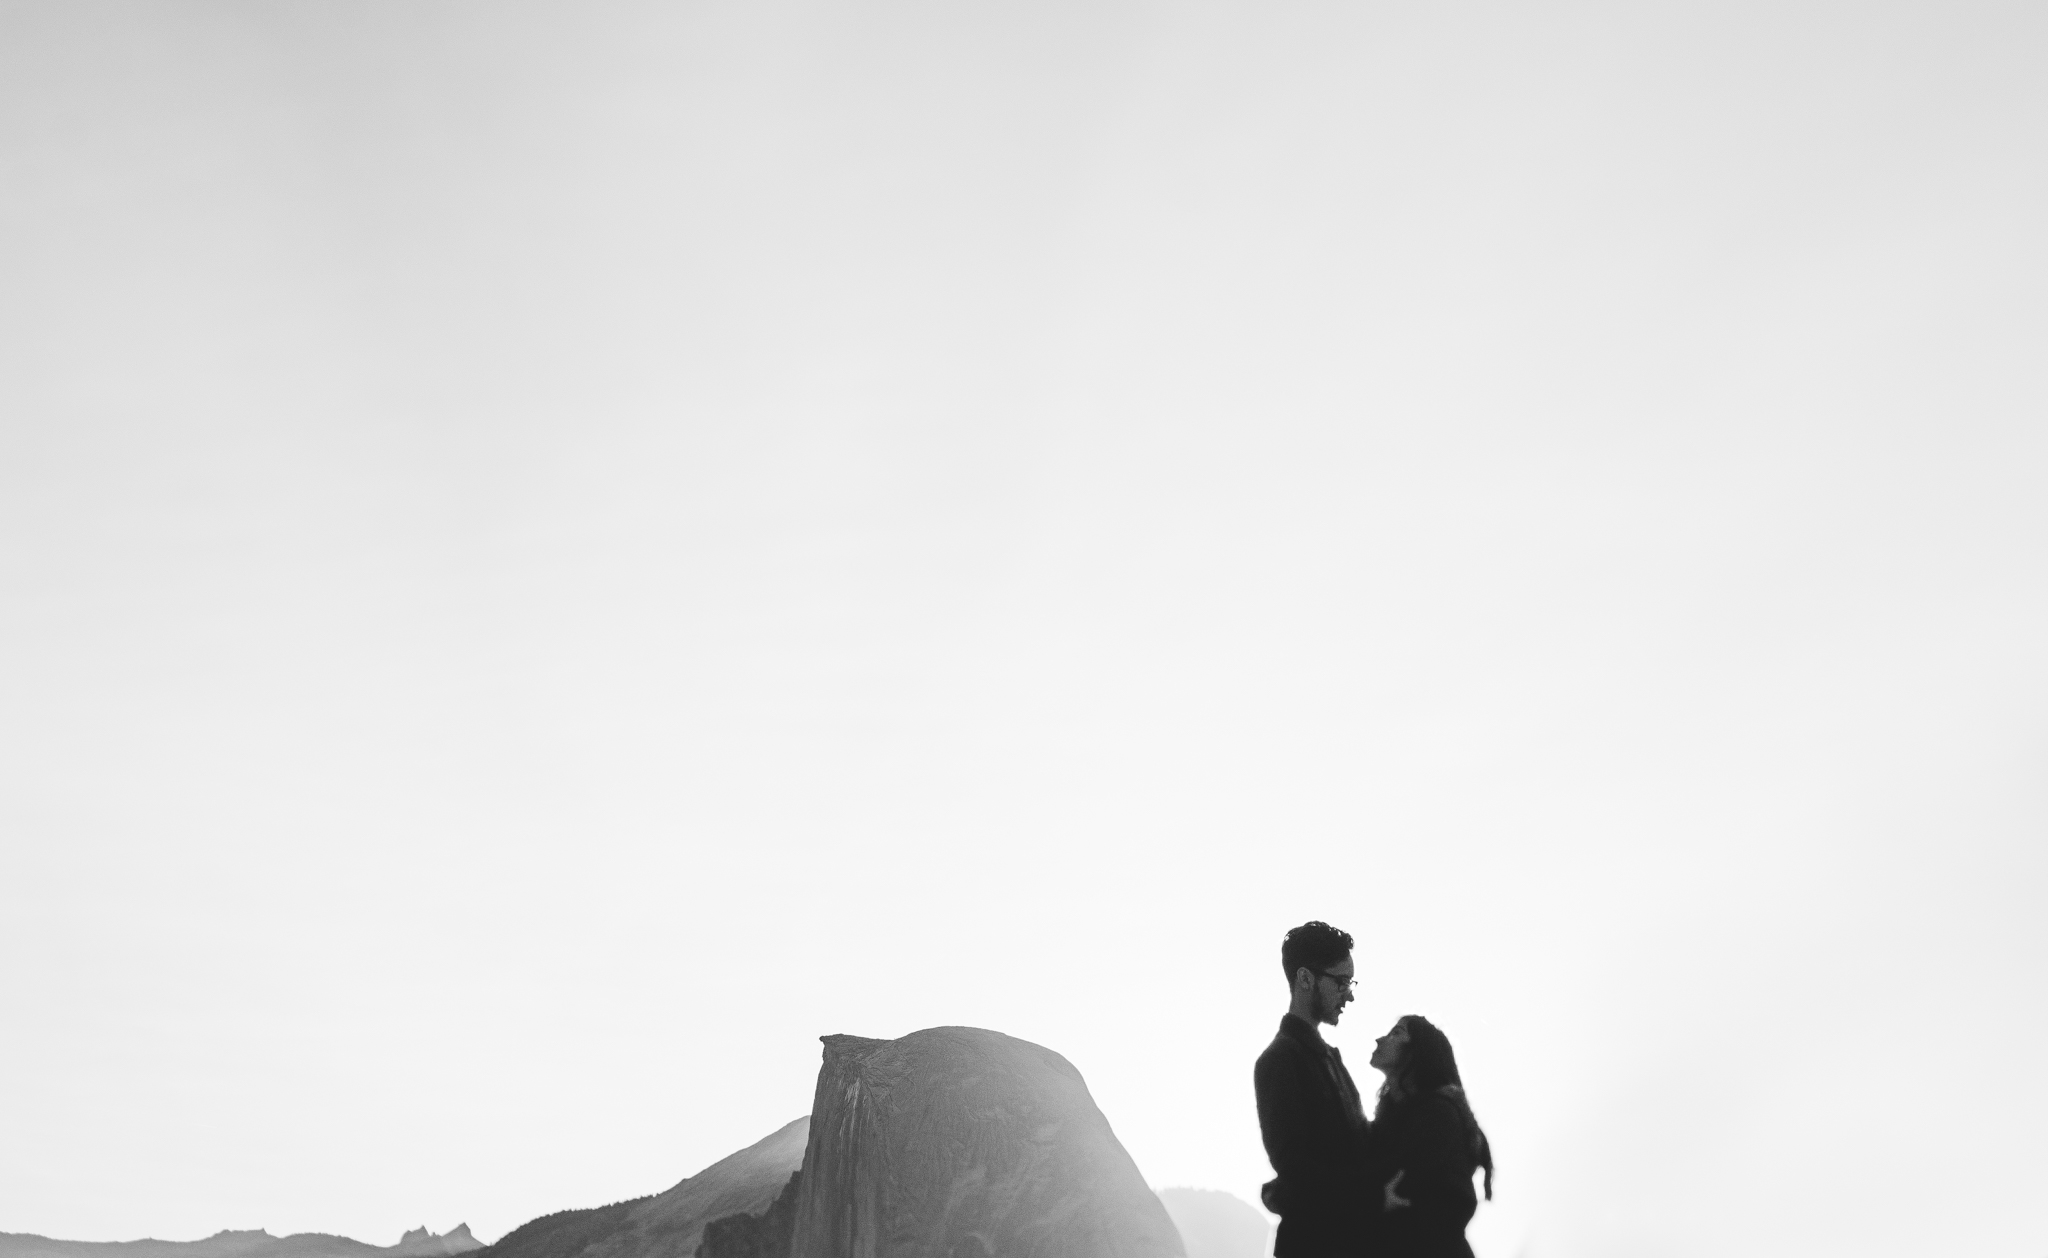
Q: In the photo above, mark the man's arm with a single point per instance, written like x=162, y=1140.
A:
x=1287, y=1120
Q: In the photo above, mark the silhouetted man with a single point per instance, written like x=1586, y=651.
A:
x=1309, y=1112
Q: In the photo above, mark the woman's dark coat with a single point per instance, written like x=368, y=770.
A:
x=1431, y=1138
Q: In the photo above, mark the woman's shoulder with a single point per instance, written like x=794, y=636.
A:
x=1425, y=1106
x=1446, y=1103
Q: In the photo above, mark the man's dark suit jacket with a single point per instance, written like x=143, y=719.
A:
x=1315, y=1132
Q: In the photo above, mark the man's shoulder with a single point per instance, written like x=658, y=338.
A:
x=1280, y=1047
x=1287, y=1043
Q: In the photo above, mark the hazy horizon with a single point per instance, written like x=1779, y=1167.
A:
x=551, y=555
x=249, y=1231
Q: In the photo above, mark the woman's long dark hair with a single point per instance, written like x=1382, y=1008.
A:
x=1428, y=1065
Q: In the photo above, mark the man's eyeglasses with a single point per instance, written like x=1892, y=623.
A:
x=1348, y=984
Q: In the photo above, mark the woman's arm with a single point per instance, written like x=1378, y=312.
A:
x=1435, y=1156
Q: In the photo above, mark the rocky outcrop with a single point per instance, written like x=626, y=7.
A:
x=252, y=1243
x=956, y=1142
x=1215, y=1224
x=419, y=1240
x=668, y=1224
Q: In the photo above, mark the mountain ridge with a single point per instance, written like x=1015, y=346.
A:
x=247, y=1243
x=669, y=1223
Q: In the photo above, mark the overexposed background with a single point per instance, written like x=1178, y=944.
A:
x=551, y=554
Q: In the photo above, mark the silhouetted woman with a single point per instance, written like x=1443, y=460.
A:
x=1425, y=1146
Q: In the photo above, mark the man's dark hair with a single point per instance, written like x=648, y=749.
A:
x=1317, y=945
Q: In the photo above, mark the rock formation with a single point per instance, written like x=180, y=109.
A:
x=1215, y=1224
x=419, y=1240
x=962, y=1143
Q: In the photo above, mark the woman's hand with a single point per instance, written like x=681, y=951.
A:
x=1394, y=1200
x=1271, y=1197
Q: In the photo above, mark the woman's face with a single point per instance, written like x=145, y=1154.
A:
x=1388, y=1050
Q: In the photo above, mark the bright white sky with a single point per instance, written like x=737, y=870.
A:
x=552, y=554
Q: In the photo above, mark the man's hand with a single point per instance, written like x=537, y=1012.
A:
x=1395, y=1201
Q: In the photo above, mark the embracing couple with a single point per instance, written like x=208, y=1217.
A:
x=1396, y=1185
